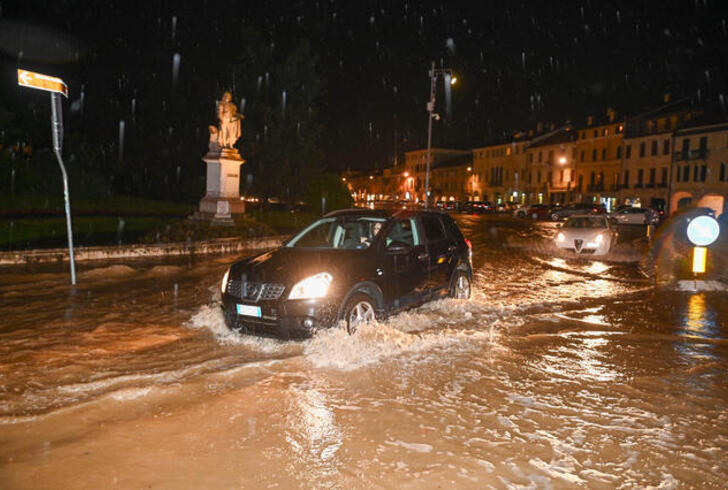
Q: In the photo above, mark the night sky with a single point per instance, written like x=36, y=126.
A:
x=517, y=64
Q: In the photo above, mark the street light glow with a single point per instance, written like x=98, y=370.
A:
x=562, y=160
x=406, y=174
x=453, y=80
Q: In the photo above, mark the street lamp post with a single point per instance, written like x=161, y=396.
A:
x=434, y=73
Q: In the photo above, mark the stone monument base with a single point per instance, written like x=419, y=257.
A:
x=219, y=210
x=222, y=197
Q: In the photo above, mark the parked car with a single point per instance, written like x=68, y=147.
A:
x=538, y=211
x=636, y=216
x=576, y=208
x=478, y=207
x=353, y=266
x=586, y=234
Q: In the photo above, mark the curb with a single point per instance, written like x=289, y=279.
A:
x=217, y=246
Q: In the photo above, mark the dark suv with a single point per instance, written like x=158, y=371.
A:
x=351, y=265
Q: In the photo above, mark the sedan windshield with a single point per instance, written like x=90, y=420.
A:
x=344, y=232
x=586, y=222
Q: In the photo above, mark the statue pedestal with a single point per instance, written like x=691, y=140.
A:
x=222, y=196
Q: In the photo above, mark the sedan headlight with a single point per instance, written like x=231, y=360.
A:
x=223, y=284
x=560, y=237
x=599, y=238
x=312, y=287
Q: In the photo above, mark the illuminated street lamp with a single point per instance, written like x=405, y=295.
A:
x=562, y=160
x=434, y=73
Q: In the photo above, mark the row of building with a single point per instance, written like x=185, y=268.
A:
x=667, y=159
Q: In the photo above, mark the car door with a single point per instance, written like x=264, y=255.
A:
x=404, y=275
x=440, y=250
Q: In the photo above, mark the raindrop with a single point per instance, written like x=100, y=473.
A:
x=265, y=132
x=267, y=79
x=133, y=107
x=178, y=171
x=120, y=229
x=371, y=20
x=175, y=68
x=122, y=126
x=448, y=94
x=707, y=76
x=12, y=181
x=260, y=81
x=523, y=59
x=619, y=17
x=450, y=43
x=174, y=26
x=242, y=105
x=283, y=103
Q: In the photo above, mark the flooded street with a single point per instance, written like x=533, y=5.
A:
x=557, y=373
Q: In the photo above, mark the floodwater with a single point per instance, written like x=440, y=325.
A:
x=557, y=373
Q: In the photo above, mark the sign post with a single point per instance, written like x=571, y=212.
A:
x=702, y=231
x=55, y=86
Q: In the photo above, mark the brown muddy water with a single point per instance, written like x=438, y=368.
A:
x=557, y=373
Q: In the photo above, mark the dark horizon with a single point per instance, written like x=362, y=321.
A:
x=516, y=66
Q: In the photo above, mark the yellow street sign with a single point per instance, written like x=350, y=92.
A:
x=41, y=82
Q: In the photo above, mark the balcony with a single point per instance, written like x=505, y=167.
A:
x=638, y=185
x=651, y=185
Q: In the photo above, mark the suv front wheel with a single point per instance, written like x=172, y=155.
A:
x=359, y=310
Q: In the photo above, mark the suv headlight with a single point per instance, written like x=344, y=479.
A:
x=560, y=237
x=312, y=287
x=224, y=283
x=599, y=238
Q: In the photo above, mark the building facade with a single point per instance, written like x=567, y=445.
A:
x=665, y=160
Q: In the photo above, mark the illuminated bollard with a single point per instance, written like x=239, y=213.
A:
x=699, y=259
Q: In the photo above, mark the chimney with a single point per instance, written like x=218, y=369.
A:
x=611, y=114
x=589, y=120
x=539, y=128
x=666, y=98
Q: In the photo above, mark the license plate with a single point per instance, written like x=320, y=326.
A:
x=249, y=310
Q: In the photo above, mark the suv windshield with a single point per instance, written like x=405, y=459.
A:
x=344, y=232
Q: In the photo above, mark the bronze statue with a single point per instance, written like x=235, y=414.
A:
x=229, y=130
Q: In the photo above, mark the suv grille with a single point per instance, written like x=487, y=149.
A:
x=254, y=291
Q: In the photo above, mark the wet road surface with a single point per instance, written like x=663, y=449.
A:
x=557, y=373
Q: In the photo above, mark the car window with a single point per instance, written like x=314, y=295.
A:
x=342, y=232
x=452, y=229
x=433, y=228
x=404, y=231
x=585, y=222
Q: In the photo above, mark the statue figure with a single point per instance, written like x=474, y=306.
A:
x=229, y=131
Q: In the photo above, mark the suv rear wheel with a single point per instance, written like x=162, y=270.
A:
x=359, y=310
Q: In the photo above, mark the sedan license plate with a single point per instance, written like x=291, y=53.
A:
x=249, y=310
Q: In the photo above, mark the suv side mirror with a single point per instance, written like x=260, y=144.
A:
x=398, y=248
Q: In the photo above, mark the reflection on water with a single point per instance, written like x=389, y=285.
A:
x=698, y=320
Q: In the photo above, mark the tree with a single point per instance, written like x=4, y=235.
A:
x=281, y=129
